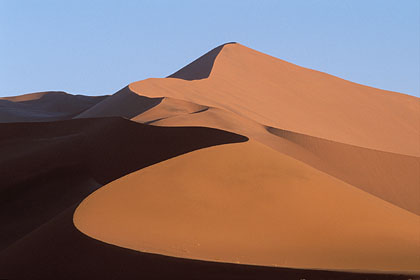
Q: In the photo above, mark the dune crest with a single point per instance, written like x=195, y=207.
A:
x=200, y=68
x=237, y=158
x=123, y=103
x=305, y=115
x=376, y=172
x=283, y=95
x=48, y=166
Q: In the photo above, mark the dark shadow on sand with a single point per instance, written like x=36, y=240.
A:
x=199, y=68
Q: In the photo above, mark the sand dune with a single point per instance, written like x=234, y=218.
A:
x=392, y=177
x=47, y=167
x=247, y=203
x=279, y=94
x=124, y=103
x=329, y=178
x=169, y=108
x=200, y=68
x=30, y=96
x=377, y=172
x=59, y=250
x=45, y=106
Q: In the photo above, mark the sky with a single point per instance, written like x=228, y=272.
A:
x=97, y=47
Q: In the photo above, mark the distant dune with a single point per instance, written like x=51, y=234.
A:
x=45, y=106
x=235, y=165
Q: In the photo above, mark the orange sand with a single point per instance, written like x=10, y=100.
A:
x=329, y=180
x=279, y=94
x=247, y=203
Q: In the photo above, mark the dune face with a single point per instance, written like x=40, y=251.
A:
x=170, y=108
x=58, y=250
x=45, y=106
x=268, y=213
x=199, y=68
x=124, y=103
x=391, y=177
x=282, y=95
x=47, y=167
x=238, y=166
x=377, y=172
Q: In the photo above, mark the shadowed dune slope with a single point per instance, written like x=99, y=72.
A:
x=249, y=204
x=45, y=106
x=170, y=108
x=199, y=68
x=57, y=250
x=124, y=103
x=47, y=167
x=283, y=95
x=329, y=179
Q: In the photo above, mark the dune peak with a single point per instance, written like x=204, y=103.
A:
x=201, y=67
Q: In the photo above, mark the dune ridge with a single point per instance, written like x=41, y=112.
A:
x=48, y=166
x=377, y=172
x=328, y=180
x=307, y=115
x=200, y=68
x=124, y=103
x=280, y=94
x=45, y=106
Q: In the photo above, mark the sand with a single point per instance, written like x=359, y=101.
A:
x=377, y=172
x=123, y=103
x=45, y=106
x=329, y=179
x=58, y=250
x=282, y=95
x=246, y=203
x=47, y=167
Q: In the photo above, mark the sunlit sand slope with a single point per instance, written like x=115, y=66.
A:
x=283, y=95
x=249, y=204
x=390, y=176
x=46, y=167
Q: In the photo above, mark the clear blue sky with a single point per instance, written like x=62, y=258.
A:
x=98, y=47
